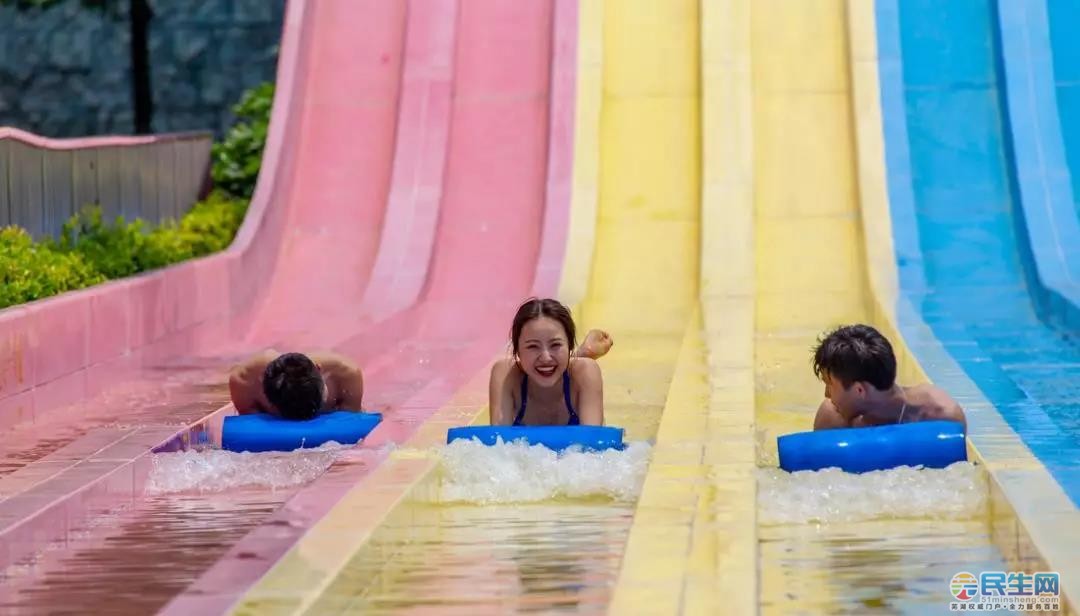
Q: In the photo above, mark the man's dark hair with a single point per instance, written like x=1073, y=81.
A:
x=294, y=385
x=856, y=353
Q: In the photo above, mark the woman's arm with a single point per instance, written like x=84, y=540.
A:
x=500, y=395
x=589, y=382
x=597, y=343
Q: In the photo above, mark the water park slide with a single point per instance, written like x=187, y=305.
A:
x=780, y=128
x=693, y=542
x=409, y=352
x=975, y=196
x=1035, y=49
x=231, y=576
x=182, y=310
x=783, y=98
x=812, y=273
x=828, y=156
x=824, y=256
x=648, y=117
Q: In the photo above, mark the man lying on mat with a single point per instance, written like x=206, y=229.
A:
x=858, y=367
x=296, y=386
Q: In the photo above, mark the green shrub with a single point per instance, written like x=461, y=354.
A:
x=207, y=228
x=164, y=246
x=238, y=157
x=211, y=224
x=30, y=271
x=113, y=250
x=124, y=248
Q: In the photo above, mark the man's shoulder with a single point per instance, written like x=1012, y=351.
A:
x=334, y=362
x=938, y=396
x=923, y=393
x=256, y=363
x=934, y=401
x=248, y=371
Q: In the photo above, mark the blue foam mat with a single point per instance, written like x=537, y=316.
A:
x=264, y=432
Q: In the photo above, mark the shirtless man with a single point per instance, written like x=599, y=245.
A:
x=296, y=386
x=858, y=368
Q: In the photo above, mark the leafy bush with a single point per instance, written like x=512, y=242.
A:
x=30, y=271
x=238, y=157
x=211, y=224
x=124, y=248
x=207, y=228
x=113, y=250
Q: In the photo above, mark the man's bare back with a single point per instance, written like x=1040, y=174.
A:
x=923, y=402
x=342, y=378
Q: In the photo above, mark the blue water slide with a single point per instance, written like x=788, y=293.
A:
x=974, y=194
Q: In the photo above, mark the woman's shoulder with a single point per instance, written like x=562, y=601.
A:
x=503, y=365
x=584, y=368
x=505, y=368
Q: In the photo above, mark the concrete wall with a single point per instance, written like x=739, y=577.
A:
x=65, y=70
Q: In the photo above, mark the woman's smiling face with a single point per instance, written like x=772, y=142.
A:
x=543, y=350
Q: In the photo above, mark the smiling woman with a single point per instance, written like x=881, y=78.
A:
x=543, y=383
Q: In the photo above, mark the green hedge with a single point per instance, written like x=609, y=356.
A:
x=237, y=158
x=91, y=250
x=29, y=271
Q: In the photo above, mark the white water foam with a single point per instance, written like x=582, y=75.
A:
x=215, y=470
x=831, y=495
x=517, y=472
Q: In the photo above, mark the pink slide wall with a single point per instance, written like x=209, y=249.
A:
x=414, y=190
x=224, y=583
x=71, y=349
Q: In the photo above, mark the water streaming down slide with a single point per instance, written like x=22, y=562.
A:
x=735, y=120
x=456, y=140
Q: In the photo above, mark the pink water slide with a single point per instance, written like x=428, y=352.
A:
x=414, y=190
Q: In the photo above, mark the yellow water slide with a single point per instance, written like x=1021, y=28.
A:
x=793, y=183
x=642, y=273
x=692, y=547
x=824, y=258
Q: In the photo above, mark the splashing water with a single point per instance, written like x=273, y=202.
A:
x=518, y=472
x=831, y=495
x=215, y=470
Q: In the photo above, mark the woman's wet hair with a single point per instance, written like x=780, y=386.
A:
x=294, y=385
x=534, y=308
x=856, y=353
